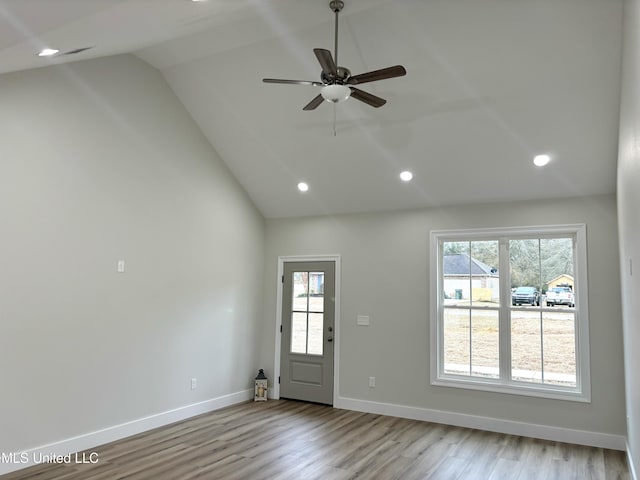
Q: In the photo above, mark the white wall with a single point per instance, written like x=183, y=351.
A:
x=629, y=220
x=385, y=268
x=99, y=161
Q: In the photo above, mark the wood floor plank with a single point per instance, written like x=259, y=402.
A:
x=536, y=459
x=450, y=468
x=393, y=468
x=288, y=440
x=505, y=469
x=513, y=447
x=429, y=461
x=615, y=465
x=433, y=434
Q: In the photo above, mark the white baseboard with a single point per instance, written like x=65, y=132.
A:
x=631, y=464
x=27, y=458
x=545, y=432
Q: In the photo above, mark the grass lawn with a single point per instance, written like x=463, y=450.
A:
x=542, y=344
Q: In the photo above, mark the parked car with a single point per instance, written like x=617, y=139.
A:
x=561, y=296
x=523, y=295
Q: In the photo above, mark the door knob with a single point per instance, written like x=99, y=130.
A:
x=330, y=329
x=329, y=339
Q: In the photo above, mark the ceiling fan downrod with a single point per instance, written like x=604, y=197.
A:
x=336, y=6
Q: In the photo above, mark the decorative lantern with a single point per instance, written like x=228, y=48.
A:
x=260, y=392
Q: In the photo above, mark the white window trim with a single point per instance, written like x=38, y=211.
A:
x=582, y=392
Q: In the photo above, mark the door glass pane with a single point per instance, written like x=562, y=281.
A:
x=316, y=325
x=558, y=334
x=299, y=332
x=485, y=360
x=526, y=346
x=457, y=358
x=300, y=283
x=316, y=291
x=307, y=320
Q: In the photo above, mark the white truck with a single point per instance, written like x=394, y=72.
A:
x=561, y=295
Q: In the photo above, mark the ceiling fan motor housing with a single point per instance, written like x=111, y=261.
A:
x=342, y=74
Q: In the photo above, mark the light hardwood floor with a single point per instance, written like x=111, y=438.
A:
x=283, y=439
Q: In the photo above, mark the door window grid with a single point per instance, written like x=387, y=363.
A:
x=307, y=319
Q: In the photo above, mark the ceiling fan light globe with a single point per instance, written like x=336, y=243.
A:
x=335, y=93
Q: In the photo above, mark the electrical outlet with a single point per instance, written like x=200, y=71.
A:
x=194, y=383
x=372, y=382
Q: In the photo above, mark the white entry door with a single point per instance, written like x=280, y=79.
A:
x=308, y=331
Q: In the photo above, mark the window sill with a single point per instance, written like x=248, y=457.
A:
x=541, y=391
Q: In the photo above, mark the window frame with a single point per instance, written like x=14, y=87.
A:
x=504, y=384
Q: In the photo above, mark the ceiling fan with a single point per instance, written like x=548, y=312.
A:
x=337, y=82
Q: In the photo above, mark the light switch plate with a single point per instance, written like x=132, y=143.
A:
x=363, y=320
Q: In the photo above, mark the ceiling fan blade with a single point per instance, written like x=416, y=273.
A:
x=313, y=104
x=294, y=82
x=326, y=62
x=383, y=74
x=367, y=98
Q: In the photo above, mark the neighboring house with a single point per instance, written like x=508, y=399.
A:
x=467, y=278
x=563, y=280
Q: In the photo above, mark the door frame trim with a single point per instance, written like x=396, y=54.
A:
x=336, y=349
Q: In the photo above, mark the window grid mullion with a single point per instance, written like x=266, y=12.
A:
x=577, y=338
x=470, y=310
x=541, y=320
x=306, y=340
x=504, y=331
x=441, y=310
x=470, y=346
x=541, y=349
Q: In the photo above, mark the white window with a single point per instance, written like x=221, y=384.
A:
x=509, y=310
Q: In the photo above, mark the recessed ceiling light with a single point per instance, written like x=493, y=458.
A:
x=406, y=176
x=303, y=187
x=541, y=160
x=47, y=52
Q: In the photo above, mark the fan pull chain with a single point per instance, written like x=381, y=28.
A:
x=334, y=120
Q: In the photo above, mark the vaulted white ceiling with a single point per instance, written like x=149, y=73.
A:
x=490, y=83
